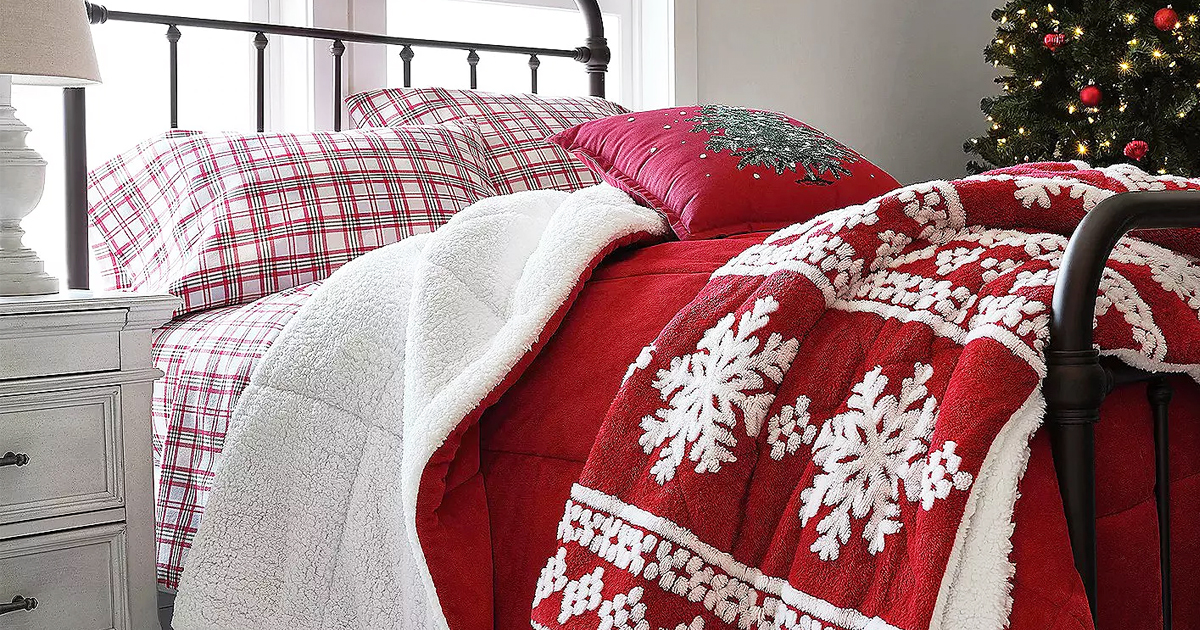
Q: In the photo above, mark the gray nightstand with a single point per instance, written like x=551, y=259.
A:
x=76, y=480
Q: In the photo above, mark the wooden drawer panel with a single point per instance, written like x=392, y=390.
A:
x=44, y=344
x=72, y=439
x=77, y=577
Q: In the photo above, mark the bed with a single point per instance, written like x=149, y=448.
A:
x=1101, y=502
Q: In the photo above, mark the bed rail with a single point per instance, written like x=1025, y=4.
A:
x=594, y=54
x=1077, y=381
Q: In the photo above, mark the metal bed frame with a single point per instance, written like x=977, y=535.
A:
x=1077, y=380
x=594, y=55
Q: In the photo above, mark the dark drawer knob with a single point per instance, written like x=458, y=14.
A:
x=18, y=604
x=14, y=459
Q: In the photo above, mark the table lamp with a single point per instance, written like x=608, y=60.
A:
x=42, y=42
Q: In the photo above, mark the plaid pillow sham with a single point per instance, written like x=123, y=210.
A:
x=222, y=218
x=514, y=128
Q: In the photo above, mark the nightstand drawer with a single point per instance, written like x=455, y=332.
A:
x=72, y=439
x=44, y=344
x=77, y=578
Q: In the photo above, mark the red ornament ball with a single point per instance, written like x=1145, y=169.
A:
x=1091, y=96
x=1166, y=19
x=1136, y=149
x=1054, y=41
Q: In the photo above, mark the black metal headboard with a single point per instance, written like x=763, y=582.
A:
x=594, y=54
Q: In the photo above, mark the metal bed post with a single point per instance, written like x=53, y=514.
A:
x=1076, y=382
x=173, y=37
x=406, y=56
x=337, y=49
x=1158, y=393
x=595, y=54
x=534, y=64
x=473, y=63
x=260, y=81
x=78, y=252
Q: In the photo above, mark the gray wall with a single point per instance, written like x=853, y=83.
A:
x=898, y=80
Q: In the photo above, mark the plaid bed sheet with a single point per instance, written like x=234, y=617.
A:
x=207, y=359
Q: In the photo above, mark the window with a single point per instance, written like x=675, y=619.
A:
x=217, y=79
x=216, y=91
x=132, y=104
x=542, y=23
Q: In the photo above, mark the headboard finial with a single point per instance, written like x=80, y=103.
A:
x=97, y=13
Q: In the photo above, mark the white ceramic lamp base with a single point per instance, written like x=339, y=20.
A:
x=22, y=178
x=23, y=273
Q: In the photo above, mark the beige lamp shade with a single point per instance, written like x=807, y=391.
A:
x=47, y=42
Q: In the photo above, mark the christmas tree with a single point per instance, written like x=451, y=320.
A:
x=771, y=140
x=1104, y=81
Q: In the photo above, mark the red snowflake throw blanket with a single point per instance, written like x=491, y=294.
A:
x=830, y=436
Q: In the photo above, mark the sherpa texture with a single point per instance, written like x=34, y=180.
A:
x=312, y=520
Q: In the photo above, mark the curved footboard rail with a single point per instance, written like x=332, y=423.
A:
x=1077, y=382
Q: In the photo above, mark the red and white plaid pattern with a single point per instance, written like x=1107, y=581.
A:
x=223, y=218
x=207, y=359
x=514, y=128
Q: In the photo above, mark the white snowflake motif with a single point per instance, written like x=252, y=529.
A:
x=892, y=244
x=701, y=390
x=1117, y=291
x=1037, y=191
x=820, y=253
x=790, y=428
x=696, y=624
x=1174, y=272
x=625, y=611
x=787, y=619
x=934, y=205
x=643, y=359
x=832, y=222
x=865, y=454
x=582, y=595
x=941, y=474
x=1015, y=312
x=1135, y=178
x=553, y=577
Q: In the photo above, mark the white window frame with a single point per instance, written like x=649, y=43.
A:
x=635, y=76
x=300, y=85
x=364, y=67
x=290, y=74
x=637, y=80
x=658, y=38
x=629, y=13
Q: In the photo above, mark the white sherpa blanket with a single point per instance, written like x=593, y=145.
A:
x=311, y=523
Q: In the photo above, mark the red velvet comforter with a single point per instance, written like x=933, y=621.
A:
x=512, y=472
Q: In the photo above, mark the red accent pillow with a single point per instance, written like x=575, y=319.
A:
x=717, y=170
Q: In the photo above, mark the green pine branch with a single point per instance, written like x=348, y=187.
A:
x=1150, y=80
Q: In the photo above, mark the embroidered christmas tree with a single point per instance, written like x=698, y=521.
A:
x=774, y=141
